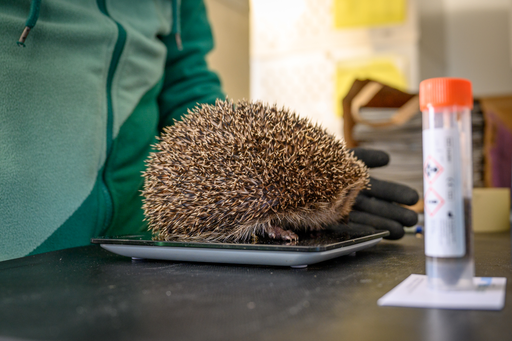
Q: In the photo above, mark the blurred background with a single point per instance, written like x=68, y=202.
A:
x=306, y=54
x=303, y=54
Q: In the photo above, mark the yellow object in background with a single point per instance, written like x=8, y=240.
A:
x=491, y=209
x=382, y=70
x=368, y=13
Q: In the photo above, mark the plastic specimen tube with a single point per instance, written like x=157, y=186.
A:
x=446, y=105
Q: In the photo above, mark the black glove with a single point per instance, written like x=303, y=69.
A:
x=379, y=206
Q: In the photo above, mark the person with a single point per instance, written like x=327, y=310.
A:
x=85, y=91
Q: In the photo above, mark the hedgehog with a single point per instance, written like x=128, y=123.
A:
x=230, y=172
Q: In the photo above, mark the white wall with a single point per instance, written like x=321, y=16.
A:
x=469, y=39
x=432, y=56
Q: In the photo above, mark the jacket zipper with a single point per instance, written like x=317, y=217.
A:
x=116, y=55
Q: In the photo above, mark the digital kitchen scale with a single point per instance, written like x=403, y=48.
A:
x=312, y=247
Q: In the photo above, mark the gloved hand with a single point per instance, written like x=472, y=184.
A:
x=379, y=206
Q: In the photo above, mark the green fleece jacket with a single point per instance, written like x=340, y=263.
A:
x=80, y=107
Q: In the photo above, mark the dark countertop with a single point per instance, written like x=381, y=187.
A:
x=90, y=294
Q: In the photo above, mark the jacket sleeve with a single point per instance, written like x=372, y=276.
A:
x=187, y=79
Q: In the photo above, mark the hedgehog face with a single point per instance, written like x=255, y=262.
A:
x=227, y=172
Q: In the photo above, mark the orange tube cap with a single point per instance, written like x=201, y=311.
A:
x=445, y=92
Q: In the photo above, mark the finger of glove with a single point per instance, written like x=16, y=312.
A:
x=396, y=230
x=371, y=157
x=386, y=209
x=391, y=191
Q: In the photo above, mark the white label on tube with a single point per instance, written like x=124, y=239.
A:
x=442, y=186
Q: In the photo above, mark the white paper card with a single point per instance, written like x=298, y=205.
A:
x=489, y=294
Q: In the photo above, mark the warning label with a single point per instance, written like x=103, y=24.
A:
x=433, y=169
x=444, y=215
x=433, y=202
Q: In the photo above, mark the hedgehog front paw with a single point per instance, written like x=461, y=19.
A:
x=276, y=232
